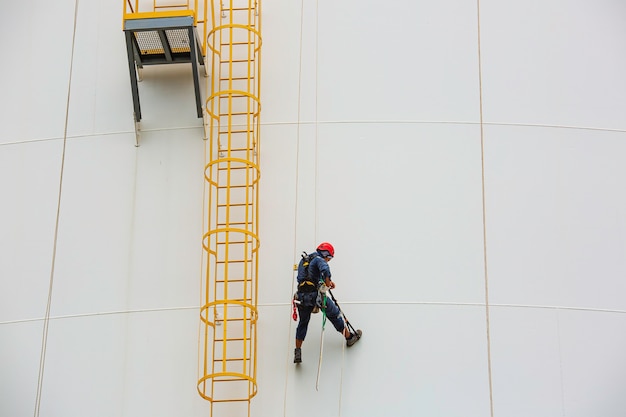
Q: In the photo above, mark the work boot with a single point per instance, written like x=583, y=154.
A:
x=297, y=355
x=354, y=338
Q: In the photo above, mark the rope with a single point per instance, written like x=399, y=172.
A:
x=46, y=321
x=315, y=181
x=319, y=363
x=323, y=311
x=295, y=207
x=484, y=213
x=316, y=111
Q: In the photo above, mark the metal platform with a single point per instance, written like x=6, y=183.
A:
x=159, y=41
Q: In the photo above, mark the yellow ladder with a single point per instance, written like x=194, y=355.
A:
x=231, y=242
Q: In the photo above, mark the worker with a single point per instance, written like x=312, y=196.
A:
x=314, y=279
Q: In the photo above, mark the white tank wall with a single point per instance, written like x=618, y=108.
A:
x=372, y=139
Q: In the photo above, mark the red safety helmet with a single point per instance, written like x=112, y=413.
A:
x=325, y=246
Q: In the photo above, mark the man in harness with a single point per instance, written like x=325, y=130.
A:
x=314, y=278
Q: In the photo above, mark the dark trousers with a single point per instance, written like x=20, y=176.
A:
x=332, y=312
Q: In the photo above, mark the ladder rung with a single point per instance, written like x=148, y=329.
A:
x=239, y=340
x=236, y=61
x=235, y=339
x=229, y=401
x=235, y=152
x=222, y=169
x=224, y=187
x=236, y=223
x=236, y=114
x=236, y=78
x=230, y=359
x=236, y=243
x=236, y=43
x=240, y=150
x=239, y=9
x=235, y=131
x=233, y=319
x=233, y=205
x=239, y=280
x=246, y=300
x=239, y=261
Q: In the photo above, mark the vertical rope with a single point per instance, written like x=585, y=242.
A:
x=295, y=207
x=46, y=320
x=319, y=362
x=297, y=173
x=484, y=212
x=316, y=111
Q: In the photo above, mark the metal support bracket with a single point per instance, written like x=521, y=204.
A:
x=157, y=41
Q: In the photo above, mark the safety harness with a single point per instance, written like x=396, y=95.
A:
x=308, y=286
